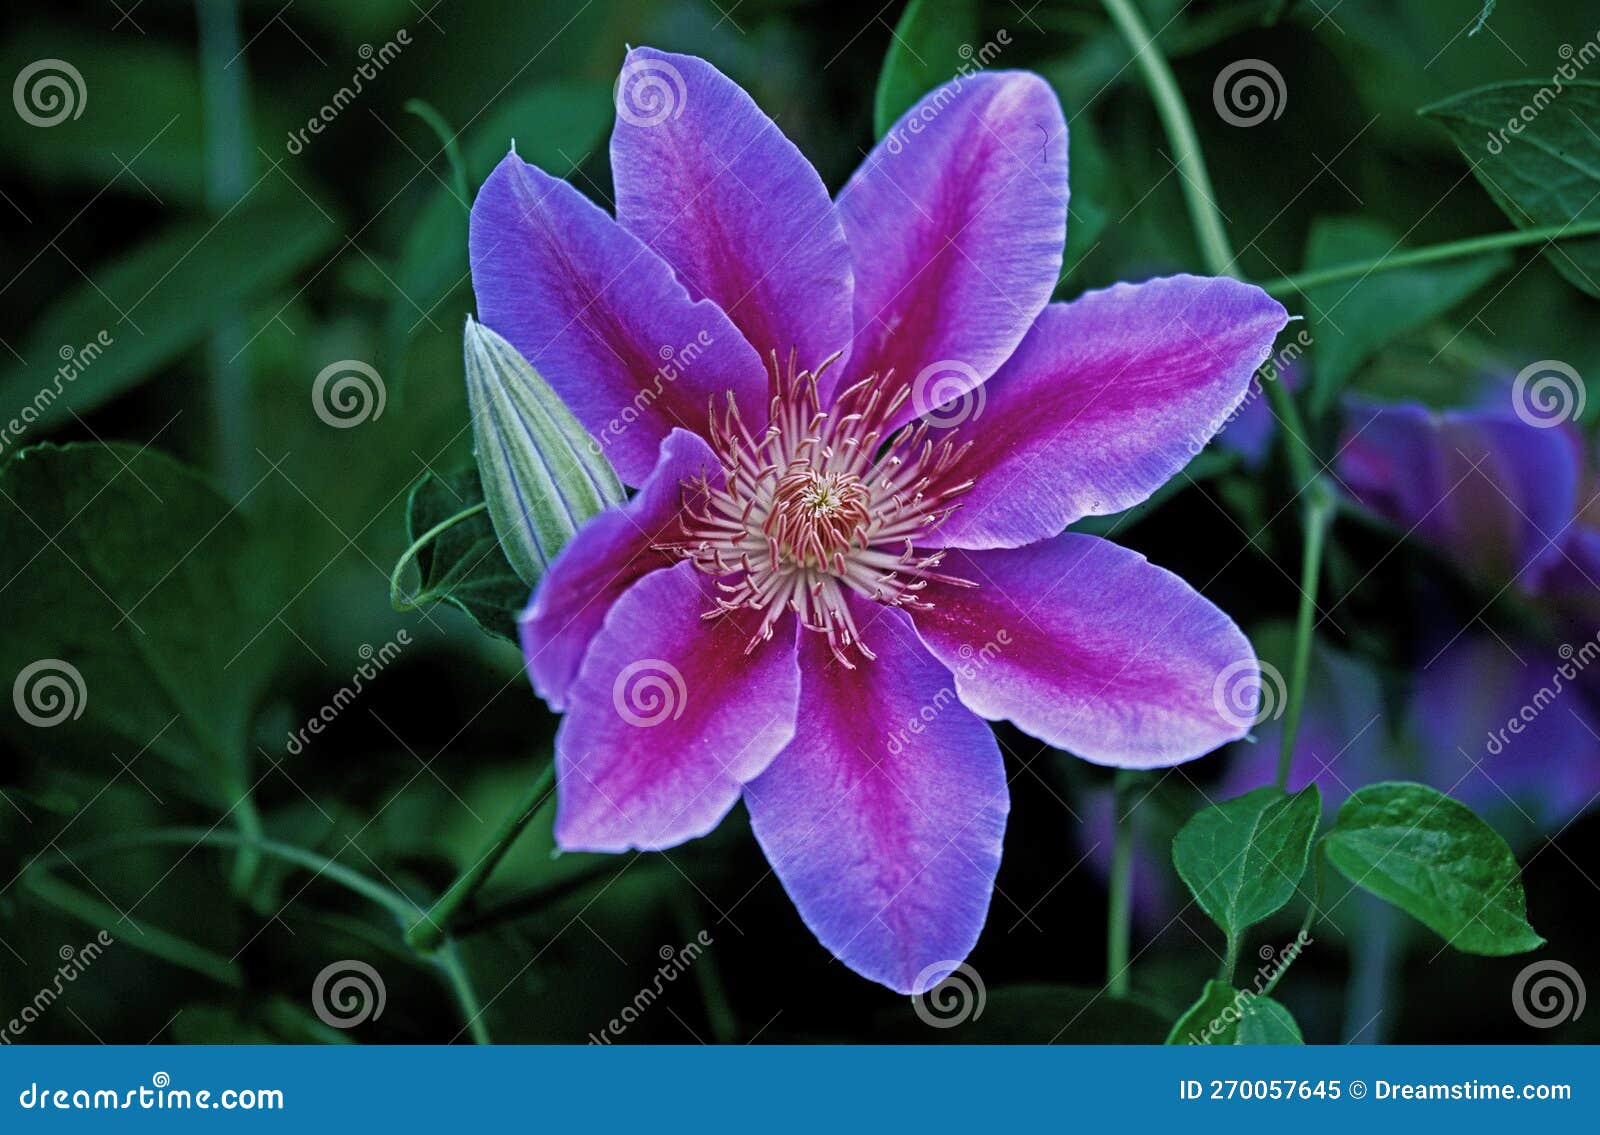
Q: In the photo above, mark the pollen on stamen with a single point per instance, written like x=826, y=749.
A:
x=820, y=503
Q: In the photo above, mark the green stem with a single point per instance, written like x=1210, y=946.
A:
x=1119, y=917
x=1412, y=257
x=428, y=932
x=1313, y=910
x=392, y=901
x=461, y=986
x=248, y=860
x=1230, y=960
x=1203, y=211
x=153, y=941
x=225, y=102
x=458, y=167
x=1320, y=507
x=396, y=600
x=689, y=917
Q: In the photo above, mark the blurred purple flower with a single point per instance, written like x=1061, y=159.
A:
x=1485, y=488
x=1513, y=735
x=817, y=595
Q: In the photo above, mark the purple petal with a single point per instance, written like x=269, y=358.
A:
x=669, y=717
x=1485, y=488
x=956, y=223
x=708, y=181
x=1514, y=736
x=1251, y=427
x=884, y=817
x=1106, y=398
x=602, y=318
x=603, y=560
x=1093, y=649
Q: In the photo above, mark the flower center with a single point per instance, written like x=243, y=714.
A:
x=821, y=503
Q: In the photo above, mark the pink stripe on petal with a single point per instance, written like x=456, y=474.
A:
x=706, y=179
x=603, y=560
x=884, y=818
x=1093, y=649
x=956, y=222
x=669, y=717
x=1107, y=398
x=602, y=318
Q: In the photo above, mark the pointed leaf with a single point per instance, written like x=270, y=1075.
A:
x=462, y=563
x=932, y=41
x=1536, y=149
x=1243, y=859
x=1223, y=1015
x=1433, y=858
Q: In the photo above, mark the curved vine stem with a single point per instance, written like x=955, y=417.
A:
x=400, y=602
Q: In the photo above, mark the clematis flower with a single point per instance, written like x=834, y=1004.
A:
x=858, y=429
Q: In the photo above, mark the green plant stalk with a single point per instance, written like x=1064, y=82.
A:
x=1119, y=916
x=1450, y=250
x=225, y=101
x=1319, y=512
x=392, y=901
x=1215, y=249
x=427, y=933
x=461, y=985
x=458, y=166
x=1203, y=211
